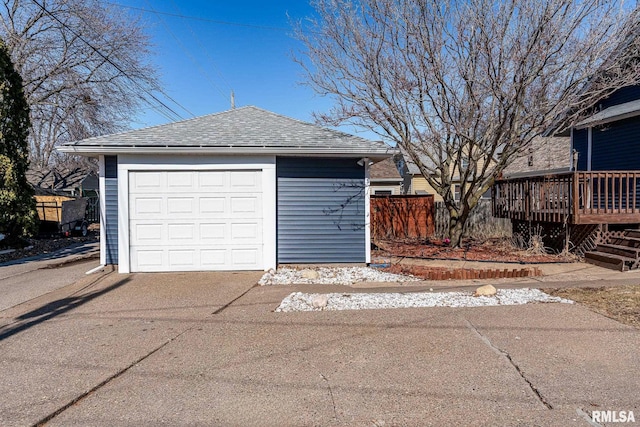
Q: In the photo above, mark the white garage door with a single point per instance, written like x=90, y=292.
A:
x=195, y=220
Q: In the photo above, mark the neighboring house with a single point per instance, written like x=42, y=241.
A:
x=546, y=155
x=599, y=197
x=415, y=183
x=385, y=178
x=68, y=182
x=245, y=189
x=610, y=138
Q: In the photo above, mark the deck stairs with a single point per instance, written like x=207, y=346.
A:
x=622, y=254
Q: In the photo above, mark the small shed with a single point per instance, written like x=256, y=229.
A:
x=245, y=189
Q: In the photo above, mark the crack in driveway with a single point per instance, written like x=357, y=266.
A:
x=507, y=356
x=88, y=393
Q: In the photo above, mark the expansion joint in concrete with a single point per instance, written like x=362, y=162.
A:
x=81, y=397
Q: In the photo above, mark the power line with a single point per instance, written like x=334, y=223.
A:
x=117, y=67
x=206, y=52
x=197, y=18
x=190, y=56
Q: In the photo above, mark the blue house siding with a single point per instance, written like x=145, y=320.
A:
x=580, y=144
x=616, y=146
x=111, y=209
x=626, y=94
x=320, y=210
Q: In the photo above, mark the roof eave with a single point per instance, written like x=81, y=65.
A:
x=88, y=150
x=605, y=117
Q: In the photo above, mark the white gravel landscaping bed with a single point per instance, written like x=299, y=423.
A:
x=299, y=301
x=330, y=276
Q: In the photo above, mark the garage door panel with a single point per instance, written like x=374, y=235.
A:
x=213, y=257
x=181, y=232
x=213, y=181
x=183, y=206
x=149, y=258
x=149, y=182
x=181, y=181
x=199, y=222
x=147, y=233
x=245, y=181
x=147, y=207
x=245, y=231
x=212, y=205
x=244, y=256
x=246, y=206
x=182, y=258
x=213, y=231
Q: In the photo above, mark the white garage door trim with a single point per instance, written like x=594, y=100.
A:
x=265, y=165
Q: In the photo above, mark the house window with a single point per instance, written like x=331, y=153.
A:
x=456, y=192
x=486, y=195
x=382, y=192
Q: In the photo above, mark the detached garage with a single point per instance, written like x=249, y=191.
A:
x=245, y=189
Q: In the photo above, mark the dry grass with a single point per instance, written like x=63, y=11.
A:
x=621, y=303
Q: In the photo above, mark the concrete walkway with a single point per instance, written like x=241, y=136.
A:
x=207, y=349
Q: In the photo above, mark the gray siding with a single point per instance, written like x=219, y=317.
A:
x=321, y=208
x=111, y=209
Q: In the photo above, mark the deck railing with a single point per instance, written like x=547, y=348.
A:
x=571, y=197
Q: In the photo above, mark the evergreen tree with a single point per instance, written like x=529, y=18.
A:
x=17, y=206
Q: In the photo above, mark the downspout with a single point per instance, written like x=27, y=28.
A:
x=367, y=211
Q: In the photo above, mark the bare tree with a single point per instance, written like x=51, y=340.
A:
x=83, y=66
x=463, y=87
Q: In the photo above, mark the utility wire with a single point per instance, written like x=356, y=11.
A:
x=189, y=55
x=117, y=67
x=204, y=50
x=196, y=18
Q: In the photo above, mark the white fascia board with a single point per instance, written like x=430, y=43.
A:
x=267, y=164
x=393, y=180
x=284, y=151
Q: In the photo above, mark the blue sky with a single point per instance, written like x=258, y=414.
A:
x=200, y=61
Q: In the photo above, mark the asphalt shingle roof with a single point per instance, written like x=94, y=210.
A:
x=241, y=128
x=546, y=154
x=385, y=169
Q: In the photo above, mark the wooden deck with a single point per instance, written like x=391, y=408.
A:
x=598, y=197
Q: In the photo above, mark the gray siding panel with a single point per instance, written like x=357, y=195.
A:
x=320, y=211
x=111, y=220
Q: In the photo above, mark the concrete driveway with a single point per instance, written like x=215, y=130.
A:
x=207, y=349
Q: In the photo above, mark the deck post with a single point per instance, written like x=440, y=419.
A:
x=574, y=215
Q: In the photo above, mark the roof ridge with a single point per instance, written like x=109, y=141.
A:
x=166, y=124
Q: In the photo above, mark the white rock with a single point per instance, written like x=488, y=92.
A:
x=485, y=291
x=320, y=301
x=332, y=276
x=299, y=301
x=310, y=274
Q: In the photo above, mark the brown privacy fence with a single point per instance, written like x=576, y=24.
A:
x=402, y=217
x=481, y=223
x=420, y=217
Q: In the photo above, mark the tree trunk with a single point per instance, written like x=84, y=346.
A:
x=457, y=221
x=456, y=227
